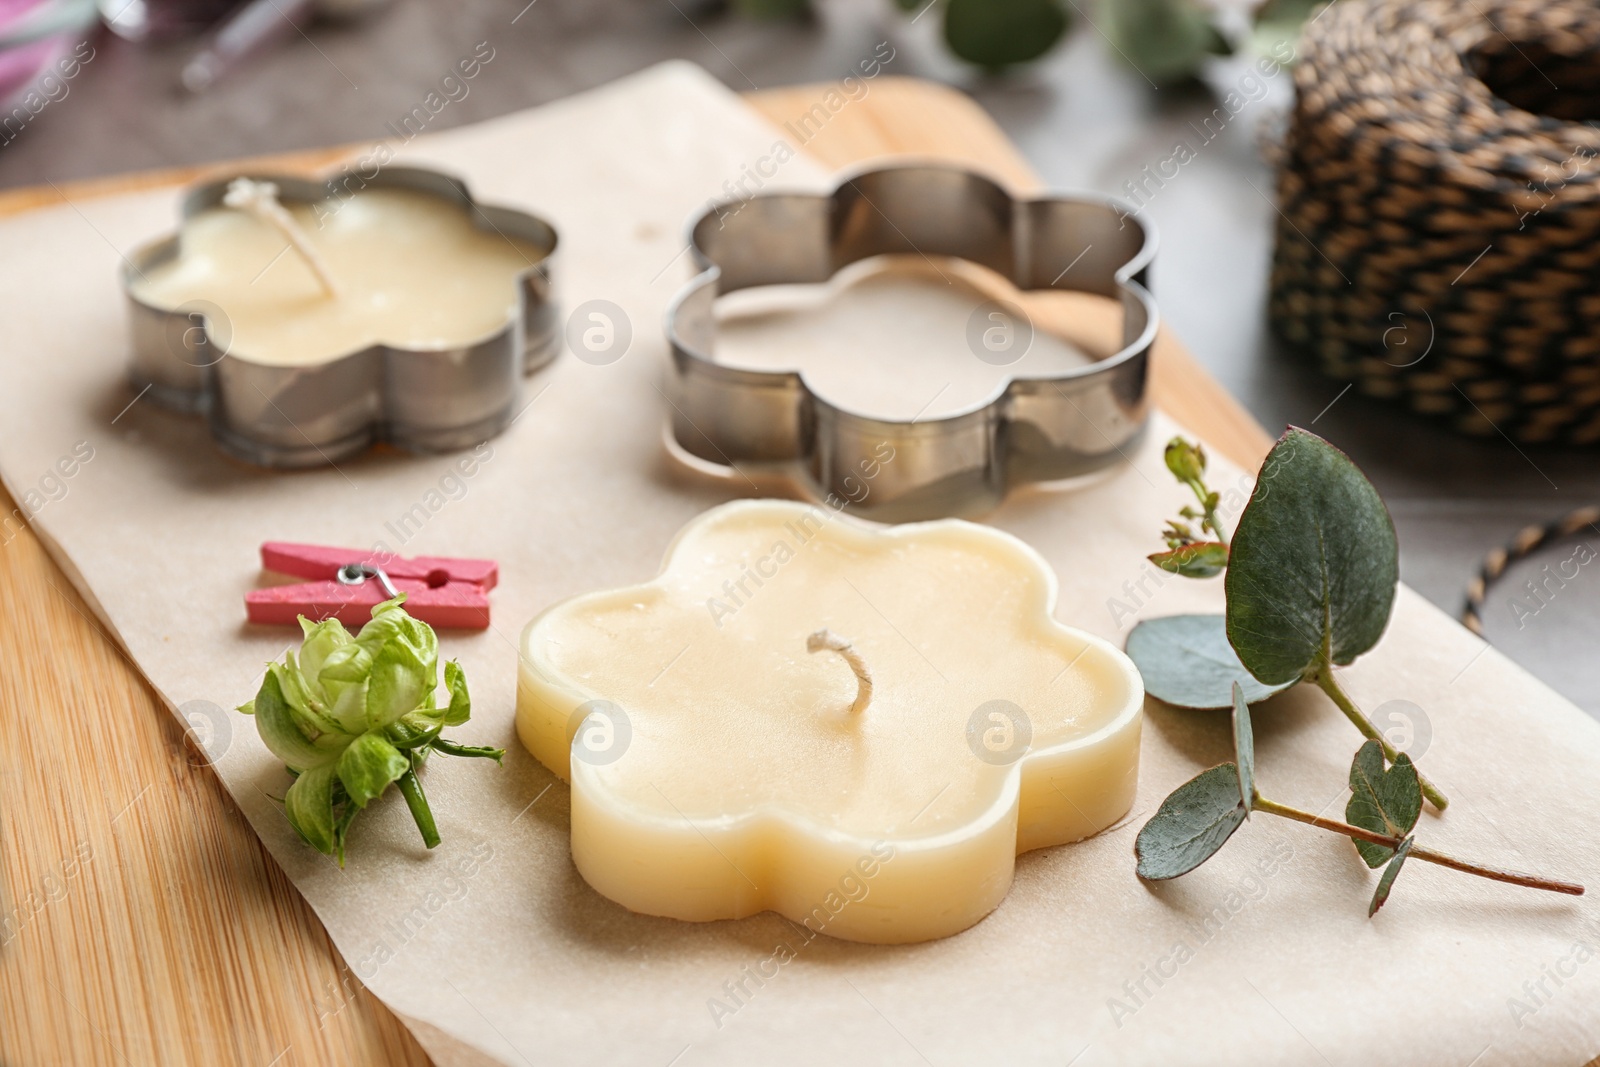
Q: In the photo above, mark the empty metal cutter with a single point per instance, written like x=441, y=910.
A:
x=1031, y=429
x=425, y=400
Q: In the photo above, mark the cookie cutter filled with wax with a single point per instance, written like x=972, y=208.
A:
x=1029, y=429
x=419, y=399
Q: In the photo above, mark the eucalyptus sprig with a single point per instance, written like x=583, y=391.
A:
x=1311, y=576
x=1192, y=554
x=1385, y=801
x=352, y=715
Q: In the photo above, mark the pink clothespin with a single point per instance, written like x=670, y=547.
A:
x=451, y=593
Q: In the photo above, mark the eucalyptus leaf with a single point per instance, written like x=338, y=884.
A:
x=1244, y=748
x=1165, y=40
x=1203, y=559
x=1313, y=565
x=995, y=34
x=1383, y=801
x=1186, y=661
x=1390, y=873
x=1191, y=825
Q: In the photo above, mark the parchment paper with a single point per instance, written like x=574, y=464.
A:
x=496, y=950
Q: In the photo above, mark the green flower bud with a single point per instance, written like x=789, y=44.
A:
x=1186, y=461
x=351, y=715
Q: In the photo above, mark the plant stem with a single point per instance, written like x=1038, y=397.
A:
x=411, y=789
x=1216, y=528
x=1271, y=807
x=1330, y=685
x=450, y=748
x=1211, y=517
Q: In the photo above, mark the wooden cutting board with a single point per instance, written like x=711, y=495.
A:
x=141, y=920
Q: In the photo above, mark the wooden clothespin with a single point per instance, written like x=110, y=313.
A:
x=443, y=592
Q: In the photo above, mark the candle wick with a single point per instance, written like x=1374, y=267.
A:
x=832, y=642
x=261, y=200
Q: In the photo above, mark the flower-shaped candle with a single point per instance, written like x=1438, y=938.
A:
x=311, y=318
x=857, y=727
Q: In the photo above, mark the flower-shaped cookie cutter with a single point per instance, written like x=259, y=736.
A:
x=678, y=727
x=419, y=399
x=1030, y=429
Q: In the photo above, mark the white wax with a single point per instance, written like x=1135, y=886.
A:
x=888, y=337
x=412, y=271
x=747, y=784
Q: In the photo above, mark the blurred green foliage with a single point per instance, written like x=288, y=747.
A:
x=995, y=34
x=1167, y=41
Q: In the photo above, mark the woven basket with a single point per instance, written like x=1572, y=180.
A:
x=1439, y=242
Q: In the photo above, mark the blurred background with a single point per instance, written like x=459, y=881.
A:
x=1092, y=93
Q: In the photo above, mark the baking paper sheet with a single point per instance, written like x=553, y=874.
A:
x=495, y=950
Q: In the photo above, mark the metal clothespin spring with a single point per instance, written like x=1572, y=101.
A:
x=358, y=573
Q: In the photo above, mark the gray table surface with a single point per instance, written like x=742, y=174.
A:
x=1085, y=120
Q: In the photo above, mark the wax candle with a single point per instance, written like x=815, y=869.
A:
x=408, y=268
x=858, y=727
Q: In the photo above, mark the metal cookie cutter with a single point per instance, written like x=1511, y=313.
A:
x=1031, y=429
x=424, y=400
